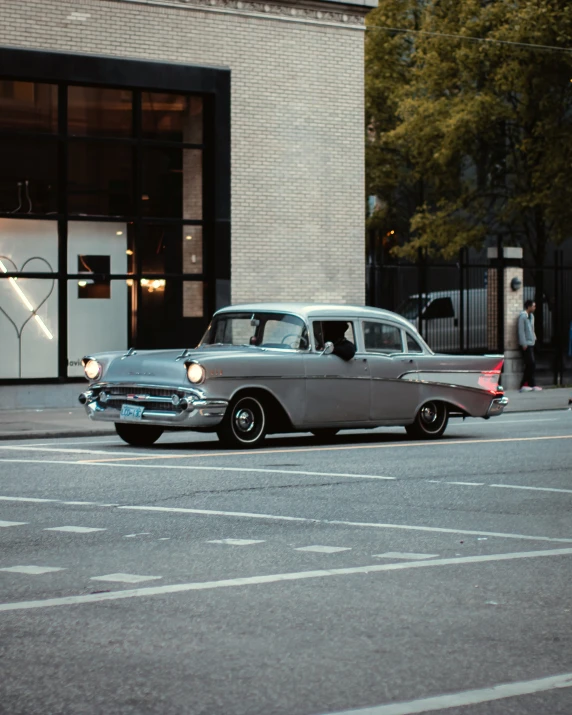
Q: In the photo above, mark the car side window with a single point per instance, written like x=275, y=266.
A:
x=412, y=345
x=382, y=337
x=324, y=329
x=439, y=308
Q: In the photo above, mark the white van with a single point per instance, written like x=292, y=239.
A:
x=440, y=318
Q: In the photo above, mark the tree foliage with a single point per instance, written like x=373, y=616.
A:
x=470, y=140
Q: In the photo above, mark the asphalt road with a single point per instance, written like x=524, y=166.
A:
x=304, y=578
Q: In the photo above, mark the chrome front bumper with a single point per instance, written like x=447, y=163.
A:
x=497, y=406
x=164, y=406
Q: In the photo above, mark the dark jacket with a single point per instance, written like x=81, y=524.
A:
x=344, y=348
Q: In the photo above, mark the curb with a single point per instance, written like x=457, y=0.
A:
x=37, y=434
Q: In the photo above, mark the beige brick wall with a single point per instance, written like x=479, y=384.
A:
x=297, y=129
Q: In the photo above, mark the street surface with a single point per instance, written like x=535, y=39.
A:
x=304, y=578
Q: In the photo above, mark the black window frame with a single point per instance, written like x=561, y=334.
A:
x=213, y=85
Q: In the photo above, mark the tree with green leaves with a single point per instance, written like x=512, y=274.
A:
x=469, y=112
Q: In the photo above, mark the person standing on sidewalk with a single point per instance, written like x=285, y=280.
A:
x=527, y=340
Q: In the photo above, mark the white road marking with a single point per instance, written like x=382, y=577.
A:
x=536, y=489
x=467, y=484
x=238, y=469
x=74, y=529
x=32, y=570
x=125, y=578
x=466, y=697
x=274, y=578
x=79, y=503
x=404, y=555
x=236, y=542
x=338, y=522
x=86, y=463
x=141, y=533
x=6, y=524
x=67, y=450
x=323, y=549
x=27, y=499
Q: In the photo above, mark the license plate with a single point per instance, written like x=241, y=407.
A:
x=131, y=412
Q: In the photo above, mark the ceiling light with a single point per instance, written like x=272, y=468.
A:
x=119, y=233
x=189, y=238
x=129, y=252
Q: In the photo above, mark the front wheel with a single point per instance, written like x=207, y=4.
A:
x=244, y=424
x=138, y=435
x=430, y=422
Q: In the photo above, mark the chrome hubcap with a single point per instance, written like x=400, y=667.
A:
x=244, y=420
x=429, y=414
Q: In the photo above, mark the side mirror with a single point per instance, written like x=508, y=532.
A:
x=328, y=349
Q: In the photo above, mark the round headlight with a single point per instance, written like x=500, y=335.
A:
x=196, y=373
x=92, y=370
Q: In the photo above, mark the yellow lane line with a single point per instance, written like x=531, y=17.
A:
x=244, y=452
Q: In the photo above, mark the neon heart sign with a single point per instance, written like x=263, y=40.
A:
x=26, y=302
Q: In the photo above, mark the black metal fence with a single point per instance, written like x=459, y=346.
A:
x=449, y=302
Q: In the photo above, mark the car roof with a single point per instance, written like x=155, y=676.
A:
x=321, y=310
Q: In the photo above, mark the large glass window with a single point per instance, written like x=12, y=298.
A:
x=117, y=188
x=99, y=111
x=28, y=106
x=172, y=117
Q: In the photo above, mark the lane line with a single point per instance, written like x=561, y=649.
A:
x=337, y=522
x=467, y=484
x=466, y=697
x=66, y=450
x=296, y=450
x=206, y=468
x=535, y=489
x=273, y=578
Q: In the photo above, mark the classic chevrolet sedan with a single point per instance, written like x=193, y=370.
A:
x=278, y=367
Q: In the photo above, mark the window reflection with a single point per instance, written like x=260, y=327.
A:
x=100, y=179
x=28, y=106
x=28, y=176
x=99, y=111
x=172, y=117
x=172, y=183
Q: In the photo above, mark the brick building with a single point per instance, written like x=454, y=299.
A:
x=161, y=158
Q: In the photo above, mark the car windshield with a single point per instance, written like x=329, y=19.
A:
x=266, y=330
x=410, y=307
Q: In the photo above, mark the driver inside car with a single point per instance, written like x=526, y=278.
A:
x=334, y=331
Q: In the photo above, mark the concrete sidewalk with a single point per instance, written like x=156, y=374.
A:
x=73, y=421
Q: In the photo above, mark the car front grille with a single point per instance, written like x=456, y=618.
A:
x=156, y=399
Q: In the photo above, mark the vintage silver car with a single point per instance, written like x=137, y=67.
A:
x=277, y=367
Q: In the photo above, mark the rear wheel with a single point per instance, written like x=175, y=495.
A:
x=430, y=422
x=325, y=433
x=244, y=424
x=138, y=435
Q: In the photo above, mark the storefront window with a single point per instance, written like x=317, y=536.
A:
x=28, y=106
x=28, y=175
x=100, y=179
x=97, y=325
x=99, y=111
x=109, y=206
x=28, y=326
x=172, y=117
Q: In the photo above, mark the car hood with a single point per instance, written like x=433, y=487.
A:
x=162, y=367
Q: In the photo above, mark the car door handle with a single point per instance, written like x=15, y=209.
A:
x=408, y=361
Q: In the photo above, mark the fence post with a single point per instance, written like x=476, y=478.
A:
x=504, y=303
x=462, y=300
x=500, y=295
x=557, y=326
x=421, y=289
